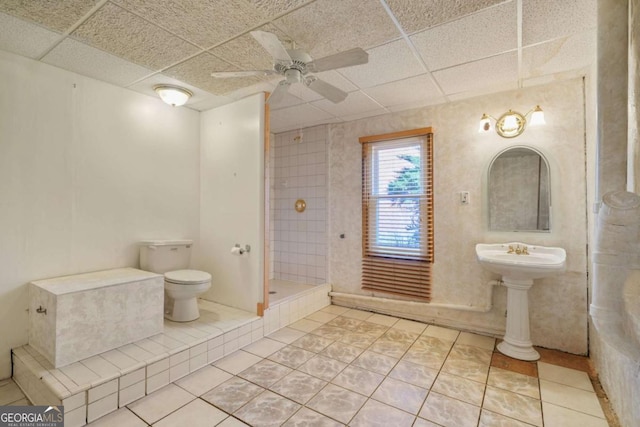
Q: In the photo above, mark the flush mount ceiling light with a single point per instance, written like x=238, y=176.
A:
x=173, y=95
x=512, y=123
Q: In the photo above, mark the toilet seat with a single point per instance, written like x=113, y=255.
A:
x=187, y=277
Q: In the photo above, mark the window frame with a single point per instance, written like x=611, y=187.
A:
x=384, y=271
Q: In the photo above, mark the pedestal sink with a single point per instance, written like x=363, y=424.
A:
x=520, y=264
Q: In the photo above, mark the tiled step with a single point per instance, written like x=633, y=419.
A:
x=94, y=387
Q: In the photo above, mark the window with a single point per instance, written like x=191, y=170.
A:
x=397, y=213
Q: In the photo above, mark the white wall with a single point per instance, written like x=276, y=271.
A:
x=87, y=169
x=558, y=305
x=232, y=201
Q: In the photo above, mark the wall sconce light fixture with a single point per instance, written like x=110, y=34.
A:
x=512, y=123
x=173, y=95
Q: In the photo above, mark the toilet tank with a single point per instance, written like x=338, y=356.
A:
x=160, y=256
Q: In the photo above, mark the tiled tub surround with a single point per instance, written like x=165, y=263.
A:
x=343, y=366
x=75, y=317
x=96, y=386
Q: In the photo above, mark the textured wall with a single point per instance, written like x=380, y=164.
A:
x=619, y=373
x=87, y=169
x=300, y=239
x=462, y=157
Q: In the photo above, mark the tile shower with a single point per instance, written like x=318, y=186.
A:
x=299, y=240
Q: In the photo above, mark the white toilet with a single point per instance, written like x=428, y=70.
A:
x=181, y=286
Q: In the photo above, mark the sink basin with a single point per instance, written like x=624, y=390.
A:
x=540, y=261
x=520, y=264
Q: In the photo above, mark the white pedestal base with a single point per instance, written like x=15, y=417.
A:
x=517, y=342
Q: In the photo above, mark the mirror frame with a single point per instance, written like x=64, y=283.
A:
x=488, y=199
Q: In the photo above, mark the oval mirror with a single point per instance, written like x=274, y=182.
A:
x=519, y=193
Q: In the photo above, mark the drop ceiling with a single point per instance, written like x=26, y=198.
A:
x=421, y=52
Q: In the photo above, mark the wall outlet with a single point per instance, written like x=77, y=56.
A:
x=464, y=197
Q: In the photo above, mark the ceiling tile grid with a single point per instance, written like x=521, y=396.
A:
x=326, y=27
x=55, y=15
x=486, y=33
x=387, y=63
x=24, y=38
x=298, y=116
x=197, y=72
x=544, y=20
x=497, y=70
x=417, y=104
x=469, y=47
x=275, y=8
x=128, y=36
x=204, y=23
x=557, y=56
x=414, y=89
x=246, y=52
x=88, y=61
x=418, y=15
x=356, y=103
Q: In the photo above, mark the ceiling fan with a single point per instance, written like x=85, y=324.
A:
x=295, y=65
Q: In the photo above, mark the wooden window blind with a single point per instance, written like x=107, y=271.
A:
x=397, y=213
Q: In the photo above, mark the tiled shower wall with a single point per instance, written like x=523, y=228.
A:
x=299, y=240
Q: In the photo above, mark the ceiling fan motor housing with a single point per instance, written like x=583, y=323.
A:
x=293, y=76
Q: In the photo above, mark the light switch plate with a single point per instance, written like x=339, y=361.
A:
x=464, y=197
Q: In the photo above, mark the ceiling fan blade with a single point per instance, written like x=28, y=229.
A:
x=325, y=89
x=279, y=92
x=227, y=74
x=347, y=58
x=272, y=44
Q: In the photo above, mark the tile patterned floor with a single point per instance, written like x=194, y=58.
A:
x=341, y=366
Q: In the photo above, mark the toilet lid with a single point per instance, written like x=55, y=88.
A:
x=187, y=277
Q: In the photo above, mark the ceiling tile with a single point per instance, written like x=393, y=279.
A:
x=146, y=87
x=358, y=116
x=297, y=117
x=326, y=27
x=24, y=38
x=480, y=35
x=416, y=15
x=55, y=15
x=497, y=70
x=210, y=102
x=204, y=23
x=246, y=52
x=289, y=100
x=569, y=53
x=414, y=89
x=417, y=104
x=197, y=72
x=486, y=90
x=273, y=8
x=123, y=34
x=251, y=90
x=387, y=63
x=356, y=103
x=544, y=20
x=88, y=61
